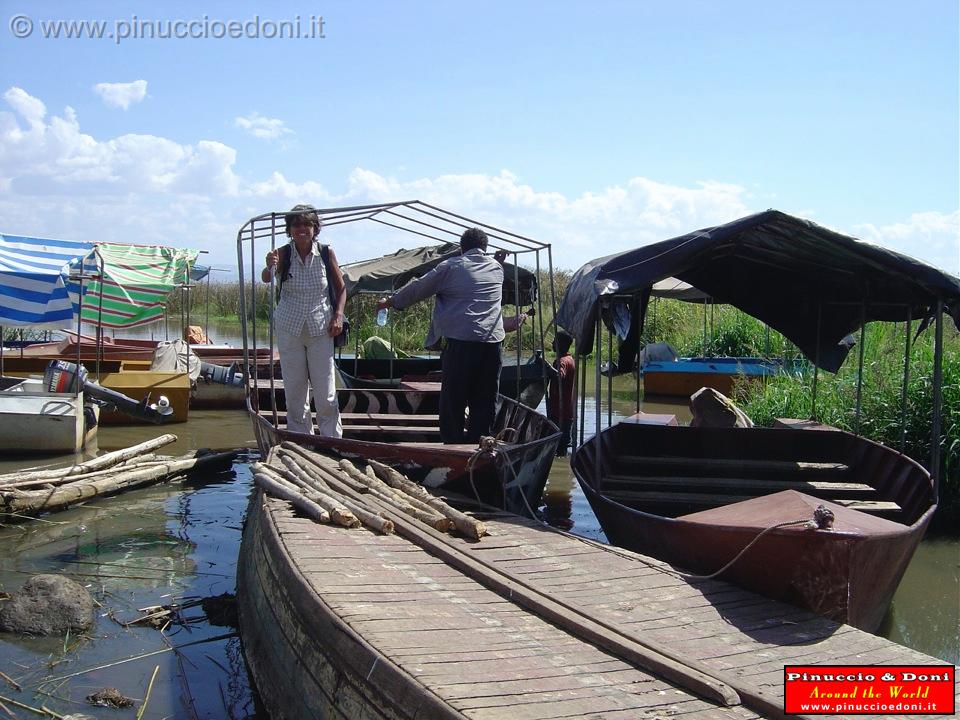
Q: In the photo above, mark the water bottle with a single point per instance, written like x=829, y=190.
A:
x=382, y=317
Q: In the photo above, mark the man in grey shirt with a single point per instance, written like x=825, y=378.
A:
x=467, y=315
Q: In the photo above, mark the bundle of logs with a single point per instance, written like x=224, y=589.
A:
x=331, y=491
x=32, y=491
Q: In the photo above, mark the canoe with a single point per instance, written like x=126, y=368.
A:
x=526, y=382
x=683, y=377
x=400, y=426
x=696, y=497
x=34, y=420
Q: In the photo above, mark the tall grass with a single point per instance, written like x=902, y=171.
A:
x=882, y=415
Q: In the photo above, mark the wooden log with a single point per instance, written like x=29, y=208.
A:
x=338, y=485
x=340, y=514
x=295, y=498
x=150, y=460
x=18, y=502
x=411, y=506
x=98, y=463
x=471, y=527
x=468, y=526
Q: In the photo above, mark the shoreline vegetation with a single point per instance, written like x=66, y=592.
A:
x=717, y=331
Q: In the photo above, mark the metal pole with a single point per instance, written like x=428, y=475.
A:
x=863, y=342
x=582, y=370
x=243, y=313
x=906, y=382
x=937, y=399
x=99, y=259
x=816, y=366
x=704, y=327
x=516, y=307
x=273, y=304
x=356, y=335
x=610, y=379
x=393, y=348
x=638, y=367
x=596, y=394
x=206, y=317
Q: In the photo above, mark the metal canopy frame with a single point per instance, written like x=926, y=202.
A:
x=411, y=216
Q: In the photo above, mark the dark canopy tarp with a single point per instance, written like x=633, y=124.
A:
x=788, y=272
x=389, y=273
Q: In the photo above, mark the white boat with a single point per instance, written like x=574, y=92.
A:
x=34, y=420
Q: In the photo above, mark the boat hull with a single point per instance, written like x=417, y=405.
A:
x=39, y=422
x=848, y=573
x=512, y=478
x=306, y=661
x=682, y=378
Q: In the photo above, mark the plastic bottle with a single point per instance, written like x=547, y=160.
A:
x=382, y=317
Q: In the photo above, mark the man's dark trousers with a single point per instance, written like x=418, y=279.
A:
x=471, y=378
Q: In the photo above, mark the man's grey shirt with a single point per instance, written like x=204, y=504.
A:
x=469, y=290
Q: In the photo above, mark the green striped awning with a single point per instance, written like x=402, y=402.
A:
x=135, y=282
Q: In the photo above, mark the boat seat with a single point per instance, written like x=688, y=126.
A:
x=389, y=430
x=388, y=419
x=815, y=486
x=731, y=466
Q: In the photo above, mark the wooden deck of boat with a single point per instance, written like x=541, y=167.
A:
x=488, y=657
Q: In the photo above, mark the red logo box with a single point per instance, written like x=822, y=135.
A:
x=869, y=689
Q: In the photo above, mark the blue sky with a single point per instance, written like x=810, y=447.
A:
x=595, y=127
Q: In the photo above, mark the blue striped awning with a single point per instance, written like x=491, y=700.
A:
x=33, y=280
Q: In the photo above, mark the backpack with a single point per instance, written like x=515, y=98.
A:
x=283, y=271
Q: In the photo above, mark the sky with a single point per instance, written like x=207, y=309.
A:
x=595, y=127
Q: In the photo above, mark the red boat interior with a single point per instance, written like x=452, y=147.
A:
x=675, y=471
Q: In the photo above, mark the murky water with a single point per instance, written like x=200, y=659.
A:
x=178, y=543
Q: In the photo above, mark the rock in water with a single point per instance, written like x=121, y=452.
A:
x=47, y=605
x=714, y=409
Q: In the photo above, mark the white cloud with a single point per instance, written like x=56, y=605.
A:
x=58, y=181
x=932, y=236
x=52, y=156
x=262, y=127
x=122, y=95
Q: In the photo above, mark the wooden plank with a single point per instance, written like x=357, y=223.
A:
x=353, y=417
x=734, y=464
x=623, y=485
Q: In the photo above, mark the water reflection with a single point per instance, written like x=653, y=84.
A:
x=156, y=546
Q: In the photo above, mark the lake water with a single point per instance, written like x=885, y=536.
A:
x=178, y=543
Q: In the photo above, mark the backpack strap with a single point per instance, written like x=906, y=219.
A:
x=283, y=267
x=325, y=256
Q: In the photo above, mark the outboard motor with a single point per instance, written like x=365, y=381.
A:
x=67, y=377
x=223, y=375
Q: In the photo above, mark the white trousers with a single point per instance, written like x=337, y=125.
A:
x=308, y=362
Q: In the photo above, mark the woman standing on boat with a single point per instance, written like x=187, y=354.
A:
x=308, y=315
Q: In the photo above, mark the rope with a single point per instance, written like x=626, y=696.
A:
x=693, y=576
x=488, y=446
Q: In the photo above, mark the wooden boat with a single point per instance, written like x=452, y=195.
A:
x=401, y=427
x=683, y=377
x=525, y=382
x=527, y=622
x=34, y=420
x=697, y=497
